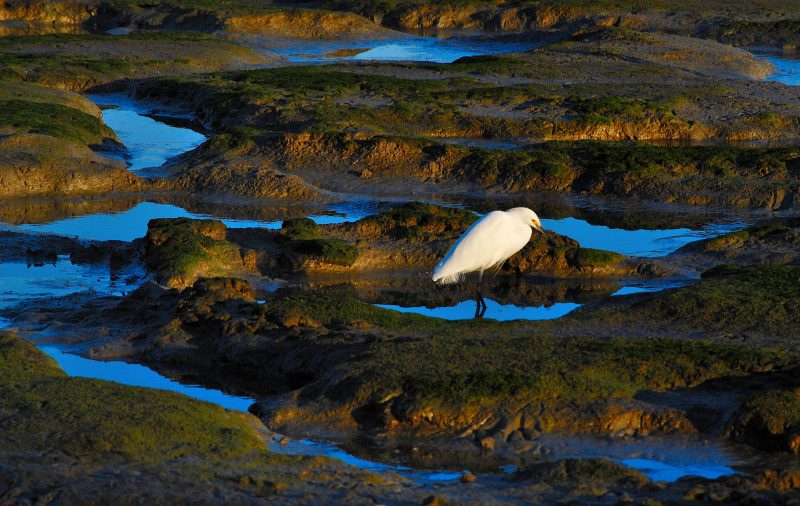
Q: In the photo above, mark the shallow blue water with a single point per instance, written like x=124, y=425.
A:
x=20, y=282
x=149, y=143
x=411, y=48
x=131, y=224
x=140, y=376
x=787, y=67
x=466, y=311
x=669, y=471
x=641, y=242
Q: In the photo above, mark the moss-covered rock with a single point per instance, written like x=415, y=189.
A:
x=769, y=420
x=324, y=250
x=414, y=222
x=100, y=420
x=730, y=302
x=591, y=474
x=299, y=229
x=180, y=250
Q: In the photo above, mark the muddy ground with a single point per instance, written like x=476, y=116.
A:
x=647, y=103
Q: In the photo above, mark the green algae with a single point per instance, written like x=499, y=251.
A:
x=98, y=420
x=559, y=371
x=391, y=104
x=328, y=250
x=180, y=249
x=760, y=300
x=738, y=239
x=415, y=222
x=458, y=363
x=53, y=119
x=302, y=236
x=344, y=311
x=591, y=257
x=297, y=229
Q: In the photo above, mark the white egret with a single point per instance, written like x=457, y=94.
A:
x=488, y=243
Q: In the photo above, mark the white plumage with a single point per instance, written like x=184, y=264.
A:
x=487, y=244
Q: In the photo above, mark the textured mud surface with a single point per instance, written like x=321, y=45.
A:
x=286, y=257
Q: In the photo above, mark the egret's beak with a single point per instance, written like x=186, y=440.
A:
x=550, y=242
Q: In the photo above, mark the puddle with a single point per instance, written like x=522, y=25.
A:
x=787, y=67
x=640, y=242
x=20, y=282
x=131, y=224
x=647, y=286
x=466, y=311
x=472, y=142
x=660, y=458
x=663, y=471
x=149, y=143
x=411, y=48
x=140, y=376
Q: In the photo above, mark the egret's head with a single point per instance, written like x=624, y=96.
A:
x=529, y=217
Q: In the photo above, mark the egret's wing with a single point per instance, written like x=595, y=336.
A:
x=486, y=243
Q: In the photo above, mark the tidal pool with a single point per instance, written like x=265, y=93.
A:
x=149, y=142
x=660, y=458
x=787, y=67
x=140, y=376
x=132, y=223
x=640, y=242
x=465, y=310
x=20, y=282
x=410, y=48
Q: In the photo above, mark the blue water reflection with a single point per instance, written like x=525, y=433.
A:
x=466, y=310
x=140, y=376
x=20, y=282
x=641, y=242
x=666, y=471
x=411, y=48
x=131, y=224
x=787, y=67
x=149, y=143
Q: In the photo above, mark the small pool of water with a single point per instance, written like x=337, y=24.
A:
x=641, y=242
x=140, y=376
x=149, y=142
x=660, y=458
x=132, y=223
x=465, y=310
x=20, y=282
x=787, y=67
x=411, y=48
x=672, y=471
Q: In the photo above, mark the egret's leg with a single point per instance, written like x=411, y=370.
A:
x=480, y=305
